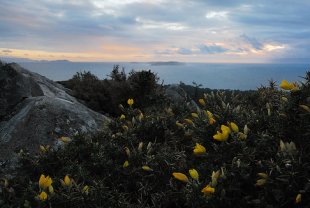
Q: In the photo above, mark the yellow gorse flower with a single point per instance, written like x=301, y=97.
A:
x=189, y=121
x=234, y=127
x=210, y=117
x=122, y=117
x=67, y=180
x=208, y=190
x=194, y=115
x=298, y=199
x=51, y=189
x=130, y=101
x=43, y=196
x=180, y=177
x=126, y=164
x=146, y=168
x=179, y=124
x=199, y=149
x=306, y=108
x=225, y=128
x=287, y=85
x=45, y=182
x=262, y=175
x=261, y=182
x=194, y=174
x=202, y=102
x=221, y=136
x=209, y=114
x=212, y=121
x=85, y=189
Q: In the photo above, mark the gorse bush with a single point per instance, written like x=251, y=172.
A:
x=227, y=149
x=105, y=95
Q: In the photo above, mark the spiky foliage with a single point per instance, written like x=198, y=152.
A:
x=143, y=158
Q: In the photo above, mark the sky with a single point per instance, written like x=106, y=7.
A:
x=222, y=31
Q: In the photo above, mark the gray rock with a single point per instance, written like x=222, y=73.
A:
x=35, y=110
x=176, y=93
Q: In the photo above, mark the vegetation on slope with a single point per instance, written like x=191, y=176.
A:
x=105, y=95
x=227, y=149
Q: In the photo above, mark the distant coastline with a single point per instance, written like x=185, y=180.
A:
x=166, y=63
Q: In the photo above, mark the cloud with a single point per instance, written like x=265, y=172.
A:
x=82, y=26
x=185, y=51
x=6, y=51
x=217, y=15
x=253, y=42
x=212, y=49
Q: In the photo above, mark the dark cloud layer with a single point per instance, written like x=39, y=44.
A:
x=253, y=42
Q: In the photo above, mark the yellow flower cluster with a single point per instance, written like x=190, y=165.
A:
x=45, y=183
x=289, y=85
x=223, y=134
x=208, y=189
x=211, y=118
x=231, y=128
x=182, y=177
x=263, y=179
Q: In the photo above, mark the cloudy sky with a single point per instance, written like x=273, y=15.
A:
x=155, y=30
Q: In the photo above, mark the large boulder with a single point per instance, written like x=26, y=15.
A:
x=37, y=111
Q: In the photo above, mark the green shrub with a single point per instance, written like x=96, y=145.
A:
x=105, y=95
x=263, y=164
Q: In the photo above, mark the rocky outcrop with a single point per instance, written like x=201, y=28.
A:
x=175, y=93
x=35, y=110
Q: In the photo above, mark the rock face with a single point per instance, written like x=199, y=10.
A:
x=35, y=110
x=176, y=93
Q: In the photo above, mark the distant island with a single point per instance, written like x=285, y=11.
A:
x=166, y=63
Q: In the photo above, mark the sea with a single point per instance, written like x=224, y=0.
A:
x=209, y=75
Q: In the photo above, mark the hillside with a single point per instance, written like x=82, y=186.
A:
x=197, y=148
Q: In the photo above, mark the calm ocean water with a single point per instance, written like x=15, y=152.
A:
x=216, y=76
